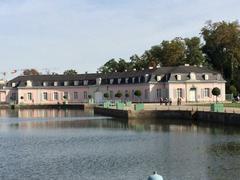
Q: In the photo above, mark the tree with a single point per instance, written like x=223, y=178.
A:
x=170, y=53
x=194, y=54
x=30, y=72
x=233, y=90
x=70, y=72
x=106, y=95
x=138, y=93
x=222, y=46
x=138, y=62
x=216, y=92
x=115, y=65
x=118, y=94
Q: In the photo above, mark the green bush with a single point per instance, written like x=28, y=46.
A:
x=106, y=95
x=138, y=93
x=233, y=90
x=118, y=94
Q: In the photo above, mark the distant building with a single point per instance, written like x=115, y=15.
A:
x=2, y=91
x=190, y=83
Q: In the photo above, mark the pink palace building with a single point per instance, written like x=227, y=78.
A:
x=190, y=83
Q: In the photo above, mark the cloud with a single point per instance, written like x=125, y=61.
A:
x=83, y=34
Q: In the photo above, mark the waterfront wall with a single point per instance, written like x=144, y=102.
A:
x=111, y=112
x=192, y=116
x=217, y=117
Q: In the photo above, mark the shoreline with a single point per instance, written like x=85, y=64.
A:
x=187, y=115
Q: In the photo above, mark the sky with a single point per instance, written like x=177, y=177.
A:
x=56, y=35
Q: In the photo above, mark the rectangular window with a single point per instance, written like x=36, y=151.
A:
x=29, y=95
x=179, y=93
x=45, y=96
x=65, y=96
x=206, y=92
x=55, y=95
x=85, y=95
x=159, y=93
x=75, y=95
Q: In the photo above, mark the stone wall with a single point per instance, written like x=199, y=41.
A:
x=191, y=116
x=217, y=117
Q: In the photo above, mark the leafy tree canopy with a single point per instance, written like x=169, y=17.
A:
x=70, y=72
x=30, y=72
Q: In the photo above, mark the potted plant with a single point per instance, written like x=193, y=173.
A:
x=138, y=106
x=106, y=103
x=119, y=104
x=90, y=100
x=128, y=103
x=65, y=99
x=217, y=107
x=106, y=95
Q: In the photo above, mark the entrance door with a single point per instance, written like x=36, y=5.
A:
x=192, y=94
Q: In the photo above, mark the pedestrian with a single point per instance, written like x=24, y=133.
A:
x=170, y=101
x=161, y=100
x=166, y=101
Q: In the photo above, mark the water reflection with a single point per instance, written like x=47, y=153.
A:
x=58, y=144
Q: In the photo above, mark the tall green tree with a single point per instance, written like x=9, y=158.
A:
x=70, y=72
x=109, y=66
x=115, y=65
x=138, y=62
x=194, y=54
x=222, y=46
x=170, y=53
x=30, y=72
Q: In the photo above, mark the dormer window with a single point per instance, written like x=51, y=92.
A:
x=139, y=79
x=29, y=83
x=13, y=84
x=119, y=80
x=146, y=77
x=133, y=79
x=45, y=84
x=85, y=82
x=76, y=83
x=98, y=81
x=206, y=77
x=55, y=83
x=192, y=76
x=111, y=81
x=178, y=77
x=159, y=78
x=66, y=83
x=126, y=80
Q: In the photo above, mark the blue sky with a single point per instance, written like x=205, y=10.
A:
x=84, y=34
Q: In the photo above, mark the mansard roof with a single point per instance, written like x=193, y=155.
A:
x=166, y=74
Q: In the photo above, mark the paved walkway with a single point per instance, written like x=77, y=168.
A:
x=157, y=106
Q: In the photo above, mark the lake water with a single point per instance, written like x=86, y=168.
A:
x=71, y=144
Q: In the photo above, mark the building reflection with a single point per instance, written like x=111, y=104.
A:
x=67, y=118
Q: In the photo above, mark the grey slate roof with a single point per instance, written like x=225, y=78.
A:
x=166, y=73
